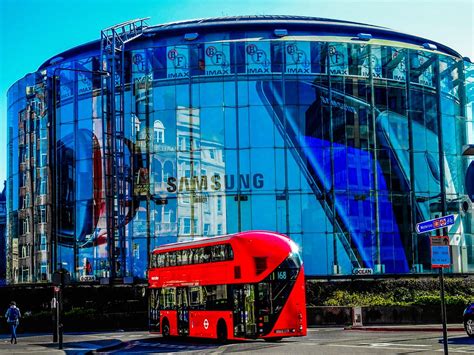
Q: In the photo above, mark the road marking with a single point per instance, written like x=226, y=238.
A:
x=397, y=344
x=34, y=351
x=377, y=346
x=457, y=350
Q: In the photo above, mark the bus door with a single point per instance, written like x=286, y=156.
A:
x=154, y=309
x=183, y=310
x=244, y=311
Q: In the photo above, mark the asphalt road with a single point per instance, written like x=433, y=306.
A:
x=319, y=341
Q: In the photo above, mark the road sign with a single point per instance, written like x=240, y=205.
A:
x=440, y=253
x=433, y=224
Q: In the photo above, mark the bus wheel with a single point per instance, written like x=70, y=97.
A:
x=165, y=329
x=272, y=340
x=221, y=331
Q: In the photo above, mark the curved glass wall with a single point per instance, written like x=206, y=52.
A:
x=344, y=146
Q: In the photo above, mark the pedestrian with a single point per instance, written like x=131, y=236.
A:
x=13, y=319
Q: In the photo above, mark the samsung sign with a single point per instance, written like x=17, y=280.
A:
x=214, y=183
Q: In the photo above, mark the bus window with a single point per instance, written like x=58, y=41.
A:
x=220, y=252
x=198, y=255
x=215, y=253
x=179, y=254
x=155, y=298
x=216, y=297
x=184, y=257
x=264, y=303
x=191, y=254
x=154, y=309
x=161, y=260
x=172, y=258
x=206, y=257
x=168, y=298
x=229, y=252
x=196, y=297
x=182, y=298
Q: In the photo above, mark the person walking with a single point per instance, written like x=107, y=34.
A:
x=13, y=319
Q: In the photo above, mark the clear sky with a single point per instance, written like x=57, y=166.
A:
x=32, y=31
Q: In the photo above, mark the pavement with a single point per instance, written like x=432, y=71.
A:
x=93, y=342
x=73, y=343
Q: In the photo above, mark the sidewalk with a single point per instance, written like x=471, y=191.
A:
x=73, y=343
x=408, y=328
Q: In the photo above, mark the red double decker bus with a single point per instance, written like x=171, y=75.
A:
x=241, y=286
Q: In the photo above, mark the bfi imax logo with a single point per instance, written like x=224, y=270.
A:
x=298, y=58
x=399, y=72
x=338, y=59
x=138, y=62
x=258, y=58
x=374, y=62
x=217, y=59
x=177, y=59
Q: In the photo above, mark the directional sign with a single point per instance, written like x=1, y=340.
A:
x=433, y=224
x=440, y=253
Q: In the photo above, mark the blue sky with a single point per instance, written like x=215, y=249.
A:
x=33, y=31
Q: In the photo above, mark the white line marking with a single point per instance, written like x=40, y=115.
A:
x=372, y=347
x=451, y=350
x=396, y=344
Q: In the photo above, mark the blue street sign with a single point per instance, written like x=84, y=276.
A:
x=440, y=256
x=433, y=224
x=440, y=253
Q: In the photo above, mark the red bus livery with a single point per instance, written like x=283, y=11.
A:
x=245, y=285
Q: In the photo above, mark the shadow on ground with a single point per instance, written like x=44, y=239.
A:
x=177, y=345
x=82, y=347
x=460, y=341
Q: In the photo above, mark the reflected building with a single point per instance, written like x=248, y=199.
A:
x=298, y=125
x=3, y=234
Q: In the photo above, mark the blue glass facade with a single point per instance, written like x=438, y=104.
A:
x=342, y=144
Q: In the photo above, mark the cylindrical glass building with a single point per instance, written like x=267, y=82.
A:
x=341, y=135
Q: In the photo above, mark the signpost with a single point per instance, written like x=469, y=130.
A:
x=61, y=278
x=440, y=258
